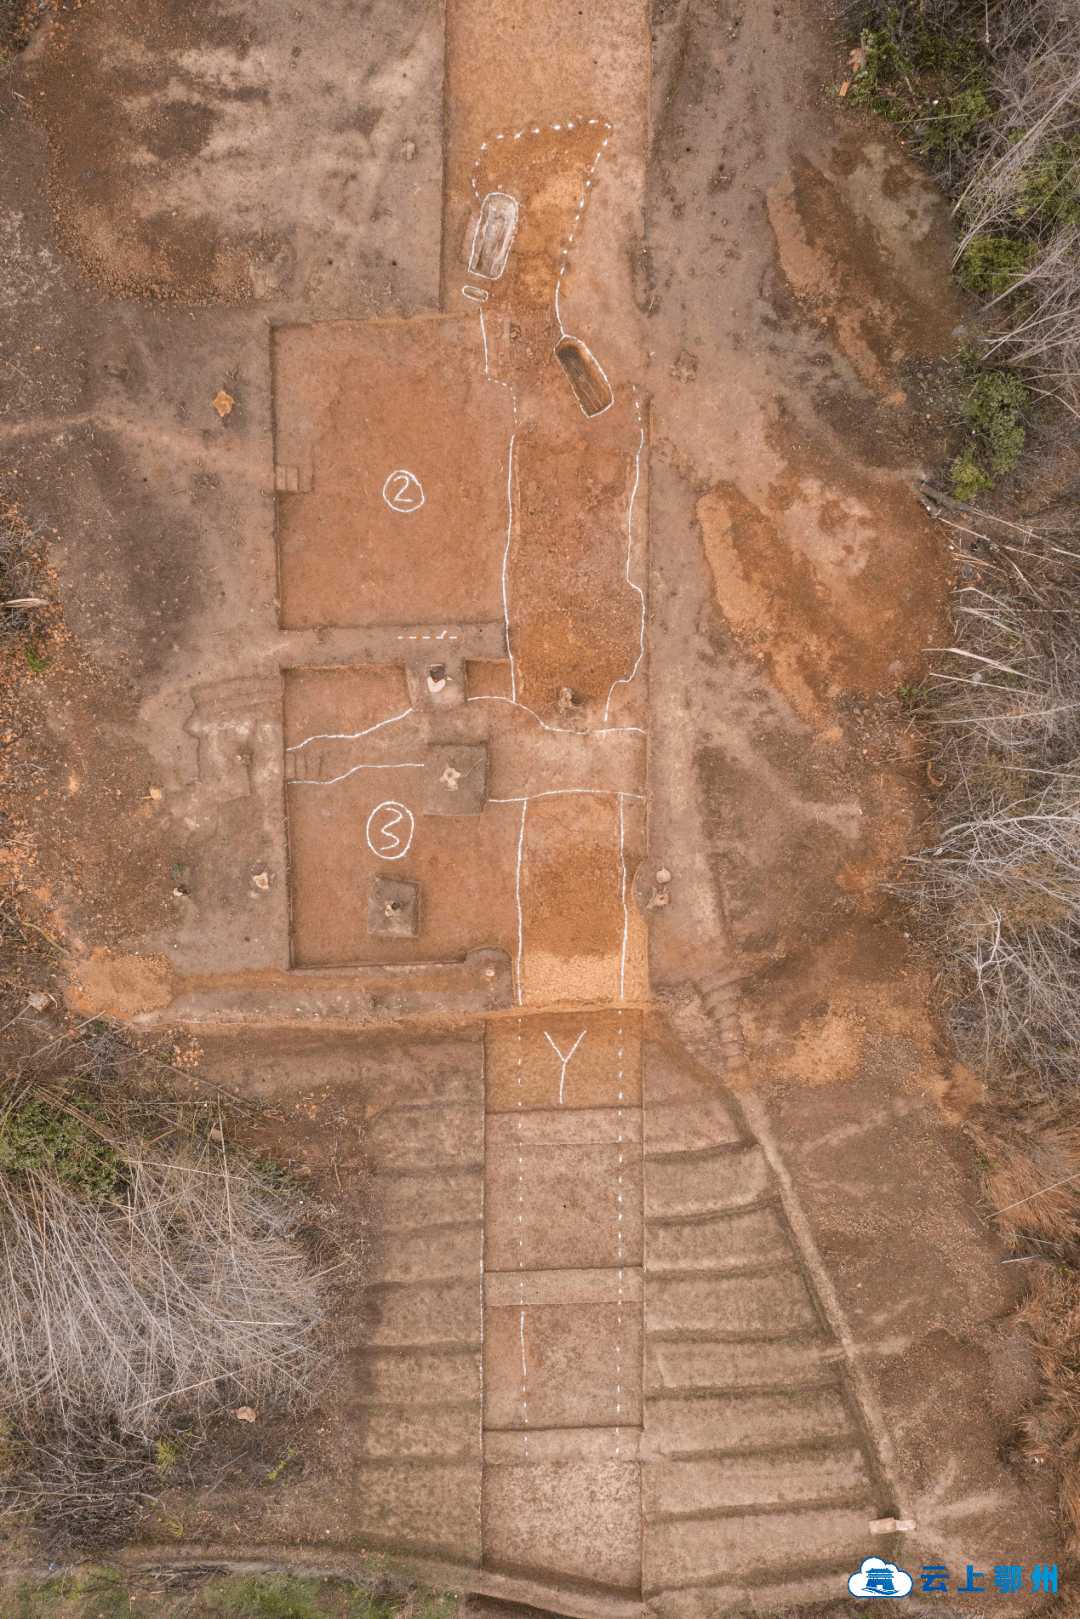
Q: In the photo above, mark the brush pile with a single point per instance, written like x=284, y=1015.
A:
x=151, y=1277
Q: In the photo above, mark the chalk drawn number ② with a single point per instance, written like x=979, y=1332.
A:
x=402, y=492
x=389, y=830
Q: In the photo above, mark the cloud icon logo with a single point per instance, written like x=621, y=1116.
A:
x=878, y=1579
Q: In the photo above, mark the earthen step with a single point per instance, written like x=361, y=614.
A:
x=718, y=1424
x=769, y=1305
x=414, y=1201
x=693, y=1552
x=428, y=1137
x=688, y=1124
x=436, y=1432
x=424, y=1313
x=426, y=1507
x=705, y=1183
x=817, y=1477
x=675, y=1366
x=717, y=1242
x=428, y=1376
x=431, y=1254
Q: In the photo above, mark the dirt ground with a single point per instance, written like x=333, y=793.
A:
x=202, y=203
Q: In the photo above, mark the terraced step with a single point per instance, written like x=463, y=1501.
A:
x=756, y=1546
x=716, y=1424
x=756, y=1477
x=417, y=1382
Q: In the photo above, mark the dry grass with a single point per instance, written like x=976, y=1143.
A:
x=997, y=899
x=998, y=895
x=1022, y=184
x=152, y=1277
x=1050, y=1431
x=185, y=1290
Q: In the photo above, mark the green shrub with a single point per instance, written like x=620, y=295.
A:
x=168, y=1453
x=993, y=402
x=969, y=476
x=990, y=264
x=36, y=1136
x=931, y=81
x=1048, y=196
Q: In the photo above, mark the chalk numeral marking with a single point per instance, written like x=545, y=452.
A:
x=402, y=492
x=389, y=830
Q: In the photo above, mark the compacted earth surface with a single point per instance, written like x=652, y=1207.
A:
x=478, y=453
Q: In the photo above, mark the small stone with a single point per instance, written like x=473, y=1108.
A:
x=663, y=875
x=408, y=150
x=223, y=402
x=245, y=1413
x=39, y=1002
x=261, y=880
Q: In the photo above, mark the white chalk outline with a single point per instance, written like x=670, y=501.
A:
x=476, y=237
x=391, y=803
x=562, y=1059
x=410, y=478
x=559, y=730
x=347, y=736
x=332, y=781
x=354, y=736
x=626, y=680
x=517, y=892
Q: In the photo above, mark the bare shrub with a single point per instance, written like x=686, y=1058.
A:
x=189, y=1290
x=998, y=894
x=145, y=1286
x=997, y=897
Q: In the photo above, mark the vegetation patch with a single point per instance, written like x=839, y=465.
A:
x=993, y=402
x=925, y=69
x=996, y=899
x=109, y=1593
x=989, y=98
x=156, y=1280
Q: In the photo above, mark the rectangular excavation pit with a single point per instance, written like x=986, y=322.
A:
x=391, y=449
x=365, y=807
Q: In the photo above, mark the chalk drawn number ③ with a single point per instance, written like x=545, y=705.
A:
x=389, y=830
x=402, y=492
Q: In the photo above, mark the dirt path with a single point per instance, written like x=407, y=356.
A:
x=499, y=684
